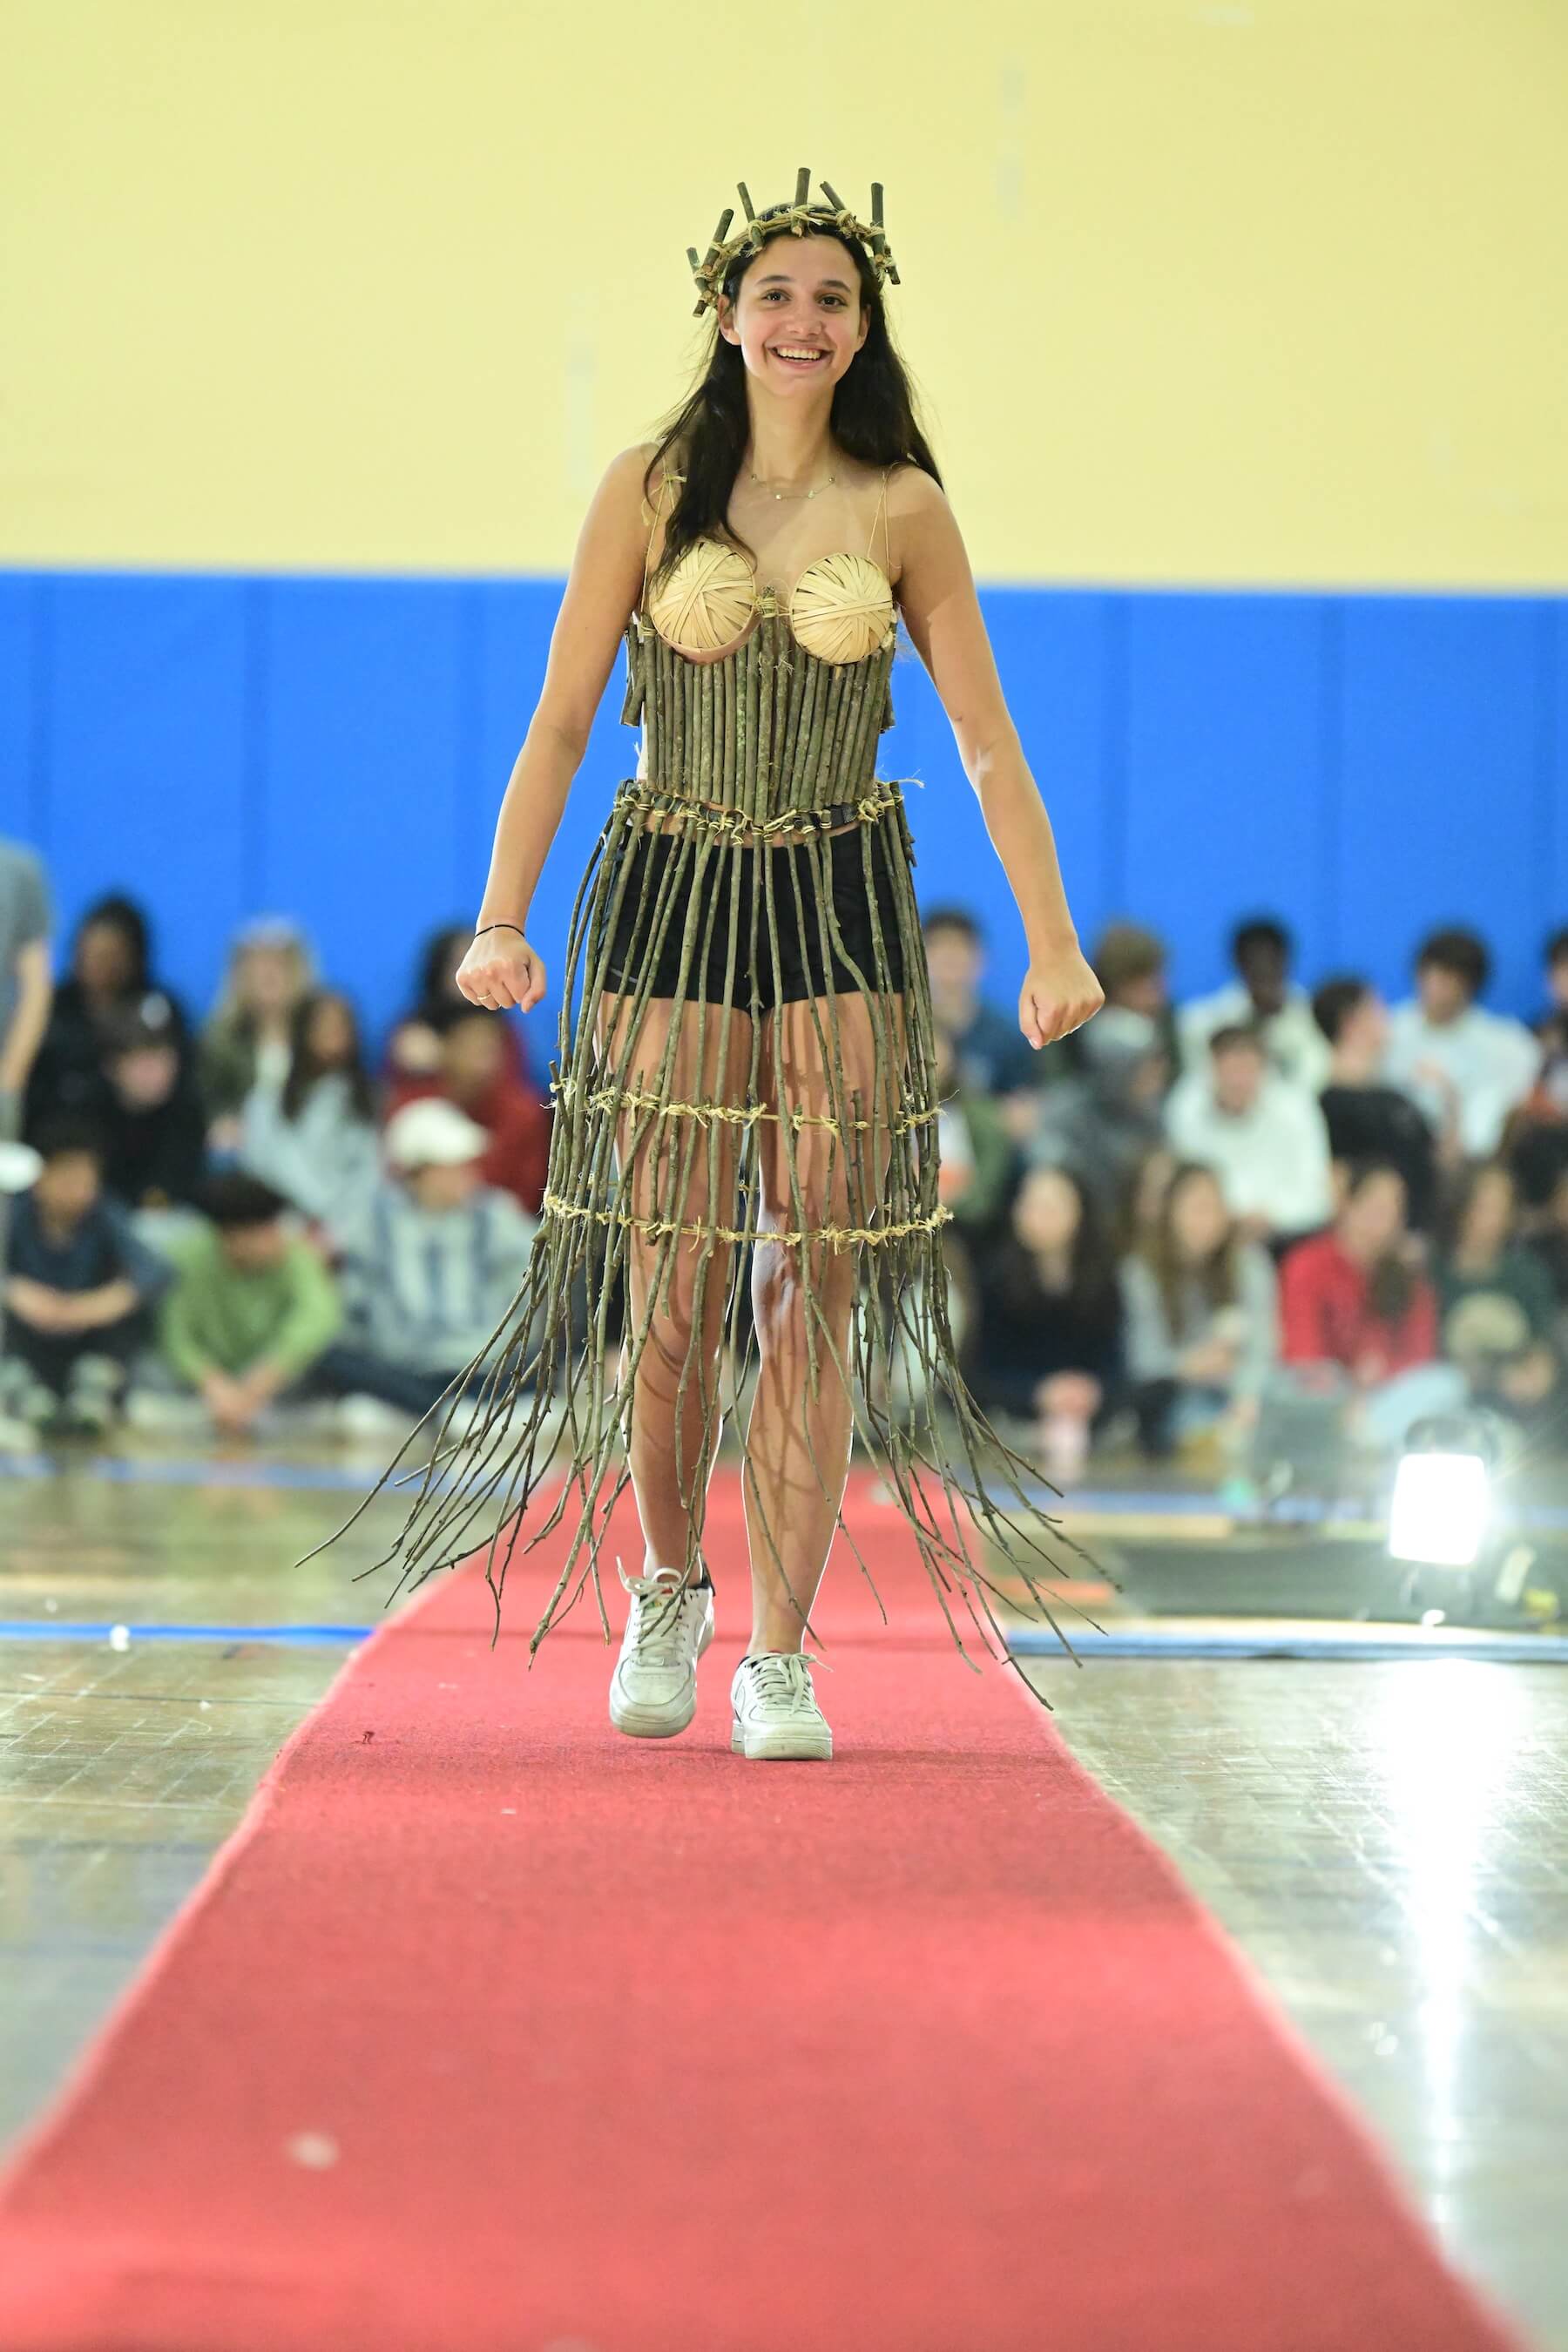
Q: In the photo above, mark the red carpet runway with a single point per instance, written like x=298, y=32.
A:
x=491, y=2030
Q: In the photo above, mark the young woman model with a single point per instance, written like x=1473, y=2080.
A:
x=752, y=1063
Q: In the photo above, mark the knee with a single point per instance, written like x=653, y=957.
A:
x=786, y=1291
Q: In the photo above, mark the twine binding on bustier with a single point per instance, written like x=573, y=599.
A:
x=690, y=1139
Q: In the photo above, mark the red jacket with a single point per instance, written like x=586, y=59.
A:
x=518, y=1125
x=1325, y=1316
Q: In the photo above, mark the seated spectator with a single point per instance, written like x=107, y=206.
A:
x=26, y=916
x=1461, y=1063
x=1263, y=1137
x=1142, y=1203
x=312, y=1133
x=252, y=1305
x=247, y=1037
x=1499, y=1309
x=435, y=1260
x=154, y=1131
x=1131, y=964
x=1105, y=1122
x=1049, y=1340
x=994, y=1054
x=1547, y=1242
x=1537, y=1130
x=1359, y=1317
x=110, y=979
x=1367, y=1119
x=1202, y=1331
x=414, y=1048
x=26, y=988
x=1264, y=997
x=976, y=1160
x=78, y=1286
x=475, y=1074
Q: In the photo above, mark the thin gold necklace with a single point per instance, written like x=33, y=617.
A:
x=795, y=497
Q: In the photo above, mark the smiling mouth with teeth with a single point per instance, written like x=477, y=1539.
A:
x=786, y=352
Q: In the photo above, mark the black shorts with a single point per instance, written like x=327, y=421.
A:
x=802, y=970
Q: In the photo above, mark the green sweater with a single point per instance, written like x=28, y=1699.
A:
x=216, y=1316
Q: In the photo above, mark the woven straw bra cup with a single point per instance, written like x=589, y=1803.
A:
x=761, y=710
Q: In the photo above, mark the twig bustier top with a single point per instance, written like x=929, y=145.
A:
x=756, y=698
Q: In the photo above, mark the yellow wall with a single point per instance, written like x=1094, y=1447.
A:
x=1251, y=293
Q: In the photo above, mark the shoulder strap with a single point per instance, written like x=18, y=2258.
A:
x=647, y=552
x=881, y=515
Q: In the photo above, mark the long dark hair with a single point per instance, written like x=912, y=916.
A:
x=1092, y=1285
x=1393, y=1283
x=1215, y=1275
x=873, y=414
x=304, y=1068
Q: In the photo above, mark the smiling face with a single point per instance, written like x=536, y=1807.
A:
x=798, y=319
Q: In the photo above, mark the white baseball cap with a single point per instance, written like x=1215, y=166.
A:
x=432, y=1133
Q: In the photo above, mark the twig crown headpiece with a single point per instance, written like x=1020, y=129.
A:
x=799, y=219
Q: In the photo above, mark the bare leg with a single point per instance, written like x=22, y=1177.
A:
x=802, y=1423
x=681, y=1169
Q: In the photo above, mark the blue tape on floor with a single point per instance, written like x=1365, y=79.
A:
x=68, y=1629
x=1149, y=1642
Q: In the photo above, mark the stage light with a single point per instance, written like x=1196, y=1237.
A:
x=1439, y=1514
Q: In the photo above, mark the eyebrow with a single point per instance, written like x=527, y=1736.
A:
x=782, y=277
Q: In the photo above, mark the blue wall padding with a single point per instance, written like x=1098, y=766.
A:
x=334, y=748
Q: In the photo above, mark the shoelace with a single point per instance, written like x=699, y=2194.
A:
x=782, y=1680
x=658, y=1627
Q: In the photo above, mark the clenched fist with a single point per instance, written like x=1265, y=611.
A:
x=1059, y=994
x=501, y=969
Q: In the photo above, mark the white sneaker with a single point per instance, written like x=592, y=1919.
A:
x=775, y=1707
x=653, y=1691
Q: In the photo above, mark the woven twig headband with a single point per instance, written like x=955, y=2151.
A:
x=800, y=219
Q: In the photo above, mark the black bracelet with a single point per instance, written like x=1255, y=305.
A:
x=501, y=927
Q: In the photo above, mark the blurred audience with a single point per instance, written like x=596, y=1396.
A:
x=430, y=1266
x=1466, y=1067
x=1050, y=1324
x=995, y=1057
x=1130, y=963
x=26, y=987
x=474, y=1072
x=1499, y=1307
x=247, y=1039
x=79, y=1288
x=154, y=1126
x=1263, y=1135
x=1367, y=1119
x=1537, y=1129
x=111, y=981
x=1116, y=1215
x=1104, y=1122
x=252, y=1306
x=1359, y=1317
x=977, y=1159
x=1201, y=1320
x=1262, y=998
x=312, y=1131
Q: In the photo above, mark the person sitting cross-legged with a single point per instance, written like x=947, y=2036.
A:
x=428, y=1269
x=252, y=1305
x=79, y=1288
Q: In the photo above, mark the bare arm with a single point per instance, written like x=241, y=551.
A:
x=602, y=588
x=35, y=994
x=942, y=613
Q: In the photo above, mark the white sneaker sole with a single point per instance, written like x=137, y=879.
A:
x=640, y=1721
x=779, y=1742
